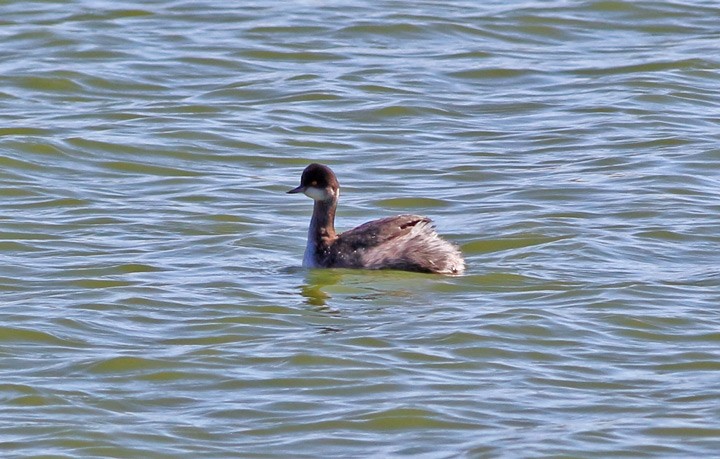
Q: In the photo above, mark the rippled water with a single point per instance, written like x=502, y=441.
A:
x=152, y=300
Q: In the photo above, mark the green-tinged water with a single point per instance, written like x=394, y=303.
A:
x=152, y=300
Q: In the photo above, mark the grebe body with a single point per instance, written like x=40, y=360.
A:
x=403, y=242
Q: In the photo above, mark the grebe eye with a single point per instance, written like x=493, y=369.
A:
x=313, y=183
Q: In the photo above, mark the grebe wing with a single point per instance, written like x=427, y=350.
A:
x=377, y=232
x=406, y=242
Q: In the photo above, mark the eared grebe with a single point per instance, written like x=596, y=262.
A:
x=404, y=242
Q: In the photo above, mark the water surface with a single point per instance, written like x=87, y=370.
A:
x=153, y=303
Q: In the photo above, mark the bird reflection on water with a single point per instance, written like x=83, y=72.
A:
x=354, y=285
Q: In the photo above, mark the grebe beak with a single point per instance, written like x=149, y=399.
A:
x=300, y=189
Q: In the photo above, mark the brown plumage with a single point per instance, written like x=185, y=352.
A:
x=404, y=242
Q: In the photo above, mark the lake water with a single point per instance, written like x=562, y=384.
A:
x=152, y=299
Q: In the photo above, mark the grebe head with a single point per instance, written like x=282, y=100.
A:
x=319, y=183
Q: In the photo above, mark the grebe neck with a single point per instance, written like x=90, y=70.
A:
x=322, y=224
x=321, y=232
